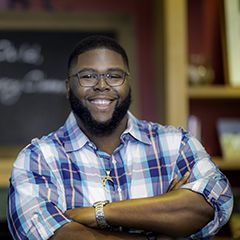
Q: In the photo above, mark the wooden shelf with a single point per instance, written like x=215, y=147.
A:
x=6, y=165
x=213, y=91
x=227, y=164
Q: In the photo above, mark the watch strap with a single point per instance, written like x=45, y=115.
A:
x=102, y=223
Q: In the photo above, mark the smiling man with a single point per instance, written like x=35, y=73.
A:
x=107, y=175
x=105, y=97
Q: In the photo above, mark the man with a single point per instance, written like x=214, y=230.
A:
x=106, y=174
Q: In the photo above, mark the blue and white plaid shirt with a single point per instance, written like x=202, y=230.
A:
x=62, y=171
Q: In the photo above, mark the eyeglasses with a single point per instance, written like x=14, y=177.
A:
x=91, y=79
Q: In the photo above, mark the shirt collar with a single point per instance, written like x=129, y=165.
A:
x=136, y=130
x=76, y=139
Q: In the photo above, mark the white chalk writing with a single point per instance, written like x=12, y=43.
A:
x=26, y=53
x=33, y=82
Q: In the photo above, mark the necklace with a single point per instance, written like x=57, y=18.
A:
x=107, y=178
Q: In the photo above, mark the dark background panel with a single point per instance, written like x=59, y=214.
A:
x=30, y=104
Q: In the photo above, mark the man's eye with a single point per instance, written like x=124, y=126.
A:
x=114, y=76
x=89, y=76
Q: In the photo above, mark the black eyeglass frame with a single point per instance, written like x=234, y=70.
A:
x=98, y=78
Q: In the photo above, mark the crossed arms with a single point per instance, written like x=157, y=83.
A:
x=177, y=213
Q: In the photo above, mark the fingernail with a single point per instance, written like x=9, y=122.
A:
x=187, y=174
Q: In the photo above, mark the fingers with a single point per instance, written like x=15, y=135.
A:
x=176, y=184
x=173, y=183
x=183, y=180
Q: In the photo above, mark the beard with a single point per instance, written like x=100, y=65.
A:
x=93, y=126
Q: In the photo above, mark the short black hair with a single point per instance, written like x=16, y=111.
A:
x=96, y=42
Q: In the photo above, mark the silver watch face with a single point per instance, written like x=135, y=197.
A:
x=103, y=203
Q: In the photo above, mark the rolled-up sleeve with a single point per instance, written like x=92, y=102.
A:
x=208, y=180
x=36, y=201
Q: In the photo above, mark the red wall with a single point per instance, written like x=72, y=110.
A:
x=204, y=33
x=204, y=36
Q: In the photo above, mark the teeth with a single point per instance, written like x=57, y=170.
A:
x=101, y=102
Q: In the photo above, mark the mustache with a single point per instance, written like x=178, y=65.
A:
x=93, y=126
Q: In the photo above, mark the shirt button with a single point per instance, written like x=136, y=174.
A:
x=119, y=189
x=114, y=161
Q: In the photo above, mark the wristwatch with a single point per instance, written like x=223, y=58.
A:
x=102, y=223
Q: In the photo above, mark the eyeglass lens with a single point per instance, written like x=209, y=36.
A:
x=113, y=78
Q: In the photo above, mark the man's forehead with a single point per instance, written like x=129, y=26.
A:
x=99, y=51
x=100, y=57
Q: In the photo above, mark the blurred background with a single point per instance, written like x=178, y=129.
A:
x=180, y=54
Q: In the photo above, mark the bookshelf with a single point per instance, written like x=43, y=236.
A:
x=180, y=100
x=213, y=92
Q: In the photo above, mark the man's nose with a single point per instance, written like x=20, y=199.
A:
x=102, y=83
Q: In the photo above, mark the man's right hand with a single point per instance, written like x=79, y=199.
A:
x=175, y=184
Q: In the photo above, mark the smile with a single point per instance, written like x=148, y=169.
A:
x=101, y=102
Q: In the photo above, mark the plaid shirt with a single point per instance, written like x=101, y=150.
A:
x=62, y=171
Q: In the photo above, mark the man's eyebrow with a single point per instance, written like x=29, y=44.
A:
x=115, y=69
x=88, y=70
x=95, y=70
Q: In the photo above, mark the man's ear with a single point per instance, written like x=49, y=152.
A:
x=67, y=84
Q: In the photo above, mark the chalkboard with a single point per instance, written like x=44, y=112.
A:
x=33, y=69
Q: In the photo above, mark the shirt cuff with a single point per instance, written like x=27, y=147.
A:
x=218, y=194
x=45, y=223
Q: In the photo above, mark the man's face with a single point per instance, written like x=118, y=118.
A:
x=100, y=104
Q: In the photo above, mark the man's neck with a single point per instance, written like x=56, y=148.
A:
x=109, y=142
